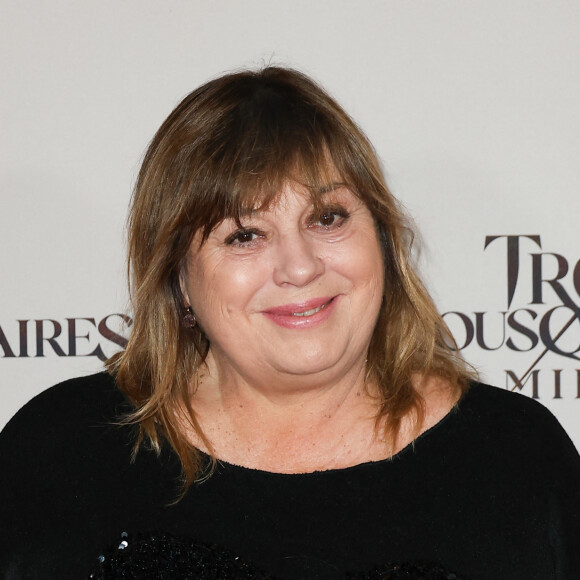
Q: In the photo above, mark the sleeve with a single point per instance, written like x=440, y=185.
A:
x=533, y=449
x=564, y=504
x=55, y=457
x=19, y=482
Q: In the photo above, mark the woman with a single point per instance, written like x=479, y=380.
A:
x=289, y=404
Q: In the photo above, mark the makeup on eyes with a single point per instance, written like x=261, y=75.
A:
x=330, y=217
x=243, y=237
x=327, y=212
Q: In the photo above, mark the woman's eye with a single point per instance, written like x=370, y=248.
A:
x=242, y=237
x=329, y=218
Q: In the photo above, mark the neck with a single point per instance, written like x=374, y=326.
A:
x=288, y=424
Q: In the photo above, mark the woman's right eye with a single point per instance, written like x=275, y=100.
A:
x=242, y=237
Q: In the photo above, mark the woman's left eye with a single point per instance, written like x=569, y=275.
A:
x=243, y=237
x=329, y=218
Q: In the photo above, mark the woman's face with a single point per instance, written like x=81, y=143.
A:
x=295, y=292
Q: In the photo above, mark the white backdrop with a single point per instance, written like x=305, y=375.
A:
x=474, y=108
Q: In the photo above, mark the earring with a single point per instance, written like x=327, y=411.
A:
x=189, y=318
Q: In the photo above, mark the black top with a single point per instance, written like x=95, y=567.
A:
x=490, y=492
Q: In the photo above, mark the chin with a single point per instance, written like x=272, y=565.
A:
x=312, y=364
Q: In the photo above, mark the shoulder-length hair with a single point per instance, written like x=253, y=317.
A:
x=230, y=146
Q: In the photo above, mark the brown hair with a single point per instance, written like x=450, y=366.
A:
x=228, y=146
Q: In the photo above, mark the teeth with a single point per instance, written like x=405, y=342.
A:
x=309, y=312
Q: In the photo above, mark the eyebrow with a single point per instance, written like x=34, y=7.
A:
x=322, y=190
x=331, y=187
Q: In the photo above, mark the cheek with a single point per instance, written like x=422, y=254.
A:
x=362, y=263
x=221, y=288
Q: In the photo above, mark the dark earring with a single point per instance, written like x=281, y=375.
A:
x=189, y=318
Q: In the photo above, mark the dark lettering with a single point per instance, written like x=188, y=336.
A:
x=111, y=335
x=513, y=259
x=518, y=327
x=520, y=383
x=468, y=326
x=576, y=277
x=8, y=352
x=479, y=330
x=23, y=328
x=73, y=336
x=538, y=279
x=557, y=383
x=546, y=334
x=41, y=339
x=98, y=352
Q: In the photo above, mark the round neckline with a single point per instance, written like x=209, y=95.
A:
x=401, y=454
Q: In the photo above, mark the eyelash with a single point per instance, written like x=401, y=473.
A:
x=237, y=237
x=340, y=212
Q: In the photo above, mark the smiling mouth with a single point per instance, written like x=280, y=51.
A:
x=301, y=310
x=303, y=315
x=311, y=312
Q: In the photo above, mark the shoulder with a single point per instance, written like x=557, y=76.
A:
x=64, y=413
x=94, y=395
x=486, y=403
x=66, y=437
x=67, y=478
x=516, y=424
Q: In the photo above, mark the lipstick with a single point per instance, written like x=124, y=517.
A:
x=306, y=314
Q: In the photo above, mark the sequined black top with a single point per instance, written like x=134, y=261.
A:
x=490, y=492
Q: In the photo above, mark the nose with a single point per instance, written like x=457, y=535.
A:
x=296, y=261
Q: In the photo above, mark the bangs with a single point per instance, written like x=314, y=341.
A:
x=259, y=189
x=267, y=135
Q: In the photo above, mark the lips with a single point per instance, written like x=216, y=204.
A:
x=309, y=312
x=305, y=308
x=302, y=314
